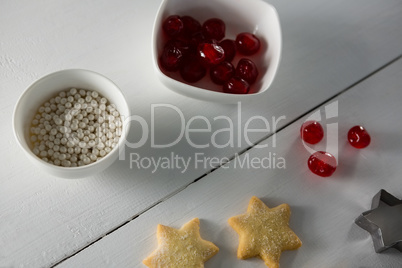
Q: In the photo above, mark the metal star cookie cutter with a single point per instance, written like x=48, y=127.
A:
x=372, y=228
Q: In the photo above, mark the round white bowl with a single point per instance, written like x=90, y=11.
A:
x=254, y=16
x=46, y=88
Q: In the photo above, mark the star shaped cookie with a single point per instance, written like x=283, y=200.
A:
x=181, y=248
x=264, y=232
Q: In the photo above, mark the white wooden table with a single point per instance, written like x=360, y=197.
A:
x=340, y=58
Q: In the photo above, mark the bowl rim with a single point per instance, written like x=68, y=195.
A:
x=18, y=137
x=207, y=95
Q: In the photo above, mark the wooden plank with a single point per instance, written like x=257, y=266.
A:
x=323, y=209
x=327, y=47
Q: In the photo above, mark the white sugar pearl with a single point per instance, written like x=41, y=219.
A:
x=35, y=151
x=57, y=162
x=66, y=163
x=102, y=153
x=68, y=117
x=91, y=143
x=86, y=160
x=73, y=159
x=82, y=144
x=100, y=145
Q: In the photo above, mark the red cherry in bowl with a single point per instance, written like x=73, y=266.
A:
x=247, y=70
x=192, y=70
x=222, y=72
x=236, y=85
x=173, y=26
x=229, y=47
x=171, y=58
x=247, y=43
x=214, y=29
x=210, y=53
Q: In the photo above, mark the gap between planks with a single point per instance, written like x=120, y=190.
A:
x=231, y=158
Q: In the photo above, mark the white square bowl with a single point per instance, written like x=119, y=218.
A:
x=254, y=16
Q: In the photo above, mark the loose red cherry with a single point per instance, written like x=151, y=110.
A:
x=214, y=29
x=322, y=164
x=173, y=26
x=229, y=47
x=247, y=43
x=191, y=27
x=222, y=72
x=247, y=70
x=211, y=54
x=236, y=85
x=171, y=58
x=192, y=70
x=358, y=137
x=311, y=132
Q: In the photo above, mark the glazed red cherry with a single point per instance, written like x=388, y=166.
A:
x=214, y=29
x=229, y=47
x=210, y=53
x=236, y=85
x=192, y=70
x=191, y=27
x=182, y=45
x=173, y=26
x=358, y=137
x=311, y=132
x=322, y=164
x=247, y=43
x=171, y=58
x=222, y=72
x=247, y=70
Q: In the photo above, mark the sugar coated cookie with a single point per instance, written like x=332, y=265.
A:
x=264, y=232
x=181, y=248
